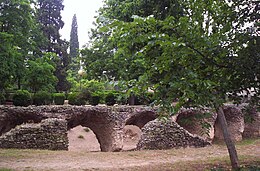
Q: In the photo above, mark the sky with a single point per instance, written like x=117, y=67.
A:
x=85, y=11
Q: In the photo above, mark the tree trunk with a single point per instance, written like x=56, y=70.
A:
x=131, y=99
x=229, y=143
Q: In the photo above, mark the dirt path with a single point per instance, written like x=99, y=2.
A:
x=84, y=154
x=131, y=160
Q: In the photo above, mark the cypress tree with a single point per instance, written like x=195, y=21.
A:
x=74, y=43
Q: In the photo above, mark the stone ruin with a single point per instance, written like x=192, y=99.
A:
x=49, y=134
x=107, y=123
x=198, y=121
x=159, y=134
x=235, y=122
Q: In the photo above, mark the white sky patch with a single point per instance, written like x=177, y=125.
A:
x=85, y=10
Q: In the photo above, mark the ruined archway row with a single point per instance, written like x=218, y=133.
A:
x=107, y=123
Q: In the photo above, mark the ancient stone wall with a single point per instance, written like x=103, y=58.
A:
x=50, y=134
x=235, y=122
x=198, y=121
x=107, y=122
x=252, y=123
x=159, y=134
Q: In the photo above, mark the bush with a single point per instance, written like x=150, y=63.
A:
x=85, y=94
x=76, y=99
x=93, y=86
x=110, y=98
x=94, y=99
x=59, y=98
x=22, y=98
x=42, y=98
x=144, y=99
x=122, y=98
x=2, y=98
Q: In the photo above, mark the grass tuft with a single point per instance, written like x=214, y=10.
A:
x=81, y=137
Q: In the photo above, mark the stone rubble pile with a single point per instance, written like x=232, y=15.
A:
x=50, y=134
x=159, y=134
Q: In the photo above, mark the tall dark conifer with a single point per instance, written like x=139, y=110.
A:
x=74, y=42
x=49, y=16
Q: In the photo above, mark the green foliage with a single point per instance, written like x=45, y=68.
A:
x=5, y=169
x=110, y=98
x=146, y=98
x=16, y=26
x=40, y=75
x=49, y=17
x=42, y=98
x=93, y=85
x=74, y=43
x=22, y=98
x=95, y=98
x=2, y=98
x=122, y=98
x=76, y=99
x=182, y=56
x=59, y=98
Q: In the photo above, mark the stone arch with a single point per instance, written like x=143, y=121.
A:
x=133, y=125
x=82, y=138
x=106, y=122
x=235, y=123
x=142, y=118
x=193, y=119
x=10, y=120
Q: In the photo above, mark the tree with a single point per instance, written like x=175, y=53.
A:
x=49, y=16
x=74, y=42
x=16, y=25
x=191, y=55
x=40, y=75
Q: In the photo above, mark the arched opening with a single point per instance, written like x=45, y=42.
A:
x=141, y=119
x=132, y=135
x=132, y=130
x=83, y=139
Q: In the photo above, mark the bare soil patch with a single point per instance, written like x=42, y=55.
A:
x=84, y=154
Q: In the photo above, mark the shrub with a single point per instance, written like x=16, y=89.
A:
x=22, y=98
x=122, y=98
x=94, y=99
x=144, y=99
x=110, y=98
x=93, y=86
x=42, y=98
x=2, y=98
x=76, y=99
x=85, y=94
x=59, y=98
